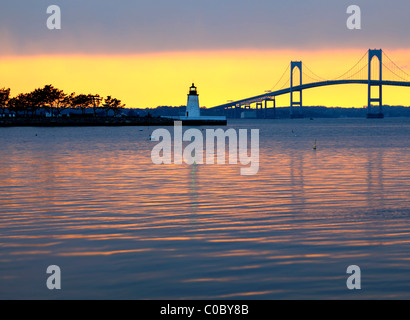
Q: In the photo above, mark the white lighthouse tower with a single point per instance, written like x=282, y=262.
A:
x=192, y=115
x=192, y=107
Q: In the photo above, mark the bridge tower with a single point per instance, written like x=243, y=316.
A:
x=378, y=54
x=293, y=114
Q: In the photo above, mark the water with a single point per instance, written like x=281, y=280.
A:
x=90, y=201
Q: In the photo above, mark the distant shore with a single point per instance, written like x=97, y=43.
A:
x=95, y=121
x=76, y=122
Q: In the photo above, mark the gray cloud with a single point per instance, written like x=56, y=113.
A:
x=111, y=27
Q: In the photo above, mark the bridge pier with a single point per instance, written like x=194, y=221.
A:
x=258, y=107
x=229, y=112
x=265, y=114
x=274, y=108
x=238, y=110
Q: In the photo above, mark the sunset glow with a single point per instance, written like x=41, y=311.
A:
x=151, y=80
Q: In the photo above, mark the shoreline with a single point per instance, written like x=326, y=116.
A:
x=94, y=122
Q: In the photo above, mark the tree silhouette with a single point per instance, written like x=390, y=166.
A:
x=82, y=102
x=96, y=100
x=47, y=98
x=4, y=99
x=21, y=103
x=36, y=100
x=63, y=102
x=113, y=104
x=54, y=101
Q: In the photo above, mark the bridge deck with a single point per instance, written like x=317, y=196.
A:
x=308, y=86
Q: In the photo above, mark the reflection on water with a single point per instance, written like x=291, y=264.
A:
x=91, y=201
x=297, y=179
x=375, y=177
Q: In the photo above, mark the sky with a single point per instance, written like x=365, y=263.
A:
x=147, y=53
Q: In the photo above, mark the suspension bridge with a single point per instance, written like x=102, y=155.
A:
x=386, y=72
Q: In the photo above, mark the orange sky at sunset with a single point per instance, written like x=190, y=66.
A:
x=150, y=80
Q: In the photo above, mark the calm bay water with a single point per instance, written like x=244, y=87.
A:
x=90, y=201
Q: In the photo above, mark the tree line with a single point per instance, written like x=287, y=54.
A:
x=54, y=101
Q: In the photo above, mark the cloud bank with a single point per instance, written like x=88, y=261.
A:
x=144, y=26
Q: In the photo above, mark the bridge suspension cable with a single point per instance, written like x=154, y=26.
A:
x=359, y=71
x=362, y=72
x=353, y=70
x=309, y=76
x=308, y=79
x=394, y=69
x=286, y=84
x=280, y=79
x=315, y=76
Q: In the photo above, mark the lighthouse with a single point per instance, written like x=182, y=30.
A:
x=192, y=107
x=192, y=115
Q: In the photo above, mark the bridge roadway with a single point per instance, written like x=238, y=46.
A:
x=265, y=96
